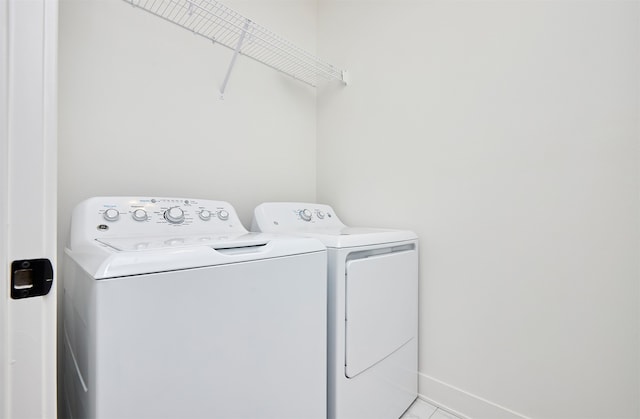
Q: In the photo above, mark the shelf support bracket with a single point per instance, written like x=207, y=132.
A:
x=233, y=58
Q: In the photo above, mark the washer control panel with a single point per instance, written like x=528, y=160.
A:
x=292, y=216
x=104, y=217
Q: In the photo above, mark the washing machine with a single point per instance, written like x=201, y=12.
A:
x=172, y=309
x=372, y=309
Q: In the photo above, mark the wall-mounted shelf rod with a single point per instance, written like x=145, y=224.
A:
x=222, y=25
x=233, y=59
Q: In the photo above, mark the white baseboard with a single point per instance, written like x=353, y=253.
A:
x=460, y=402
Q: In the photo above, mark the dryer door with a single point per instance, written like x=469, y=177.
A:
x=381, y=307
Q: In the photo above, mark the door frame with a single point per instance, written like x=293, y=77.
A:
x=28, y=203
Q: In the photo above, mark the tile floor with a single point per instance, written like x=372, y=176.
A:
x=423, y=410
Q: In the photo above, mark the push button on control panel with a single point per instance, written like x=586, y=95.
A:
x=174, y=242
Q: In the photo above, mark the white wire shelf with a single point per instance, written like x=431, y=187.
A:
x=222, y=25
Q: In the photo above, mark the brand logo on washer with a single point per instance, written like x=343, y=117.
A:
x=103, y=227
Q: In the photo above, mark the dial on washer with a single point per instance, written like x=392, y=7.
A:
x=139, y=215
x=174, y=215
x=305, y=214
x=111, y=214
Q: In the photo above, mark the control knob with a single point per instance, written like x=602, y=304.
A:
x=223, y=215
x=305, y=214
x=174, y=215
x=111, y=214
x=320, y=214
x=139, y=215
x=205, y=215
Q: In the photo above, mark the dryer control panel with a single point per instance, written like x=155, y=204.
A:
x=294, y=216
x=107, y=217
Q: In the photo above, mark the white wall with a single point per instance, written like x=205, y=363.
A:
x=140, y=111
x=507, y=135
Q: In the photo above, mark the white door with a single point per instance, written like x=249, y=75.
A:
x=28, y=50
x=381, y=313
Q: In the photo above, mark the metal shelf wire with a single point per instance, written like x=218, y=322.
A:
x=222, y=25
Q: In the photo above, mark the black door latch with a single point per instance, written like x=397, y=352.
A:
x=31, y=278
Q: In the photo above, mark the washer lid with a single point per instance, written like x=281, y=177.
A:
x=119, y=257
x=135, y=244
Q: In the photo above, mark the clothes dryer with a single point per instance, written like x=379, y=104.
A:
x=372, y=309
x=173, y=310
